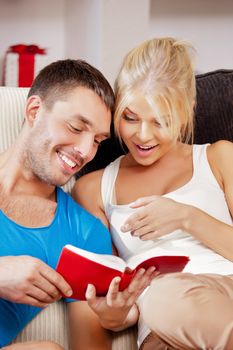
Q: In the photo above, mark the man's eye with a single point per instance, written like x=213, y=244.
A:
x=97, y=142
x=74, y=129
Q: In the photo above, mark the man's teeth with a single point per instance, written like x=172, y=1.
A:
x=67, y=160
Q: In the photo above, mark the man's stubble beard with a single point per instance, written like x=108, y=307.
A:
x=37, y=163
x=37, y=156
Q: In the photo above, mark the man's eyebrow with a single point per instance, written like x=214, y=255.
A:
x=84, y=120
x=90, y=124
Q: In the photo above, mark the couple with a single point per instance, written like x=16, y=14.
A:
x=182, y=193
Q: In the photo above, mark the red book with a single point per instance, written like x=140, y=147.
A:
x=80, y=267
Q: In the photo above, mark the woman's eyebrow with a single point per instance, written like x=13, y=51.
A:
x=130, y=111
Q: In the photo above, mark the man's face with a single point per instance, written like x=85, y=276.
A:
x=63, y=139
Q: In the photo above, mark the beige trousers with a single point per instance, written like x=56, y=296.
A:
x=191, y=311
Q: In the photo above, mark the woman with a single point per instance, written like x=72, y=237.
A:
x=168, y=194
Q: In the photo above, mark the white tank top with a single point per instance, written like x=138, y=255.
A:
x=202, y=191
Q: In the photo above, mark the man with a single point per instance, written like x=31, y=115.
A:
x=67, y=115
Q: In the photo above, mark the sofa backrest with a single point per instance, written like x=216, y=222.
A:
x=213, y=117
x=214, y=108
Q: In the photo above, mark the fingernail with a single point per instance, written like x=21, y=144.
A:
x=89, y=287
x=69, y=293
x=152, y=268
x=117, y=279
x=125, y=227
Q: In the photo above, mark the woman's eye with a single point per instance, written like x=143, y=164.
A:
x=158, y=124
x=128, y=118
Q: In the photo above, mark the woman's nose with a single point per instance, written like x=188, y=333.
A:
x=145, y=132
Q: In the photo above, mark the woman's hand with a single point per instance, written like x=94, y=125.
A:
x=156, y=217
x=118, y=310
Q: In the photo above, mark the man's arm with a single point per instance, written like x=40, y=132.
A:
x=85, y=330
x=28, y=280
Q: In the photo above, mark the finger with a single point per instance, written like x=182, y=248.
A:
x=56, y=279
x=143, y=282
x=133, y=286
x=90, y=294
x=147, y=277
x=132, y=292
x=134, y=220
x=143, y=201
x=142, y=276
x=151, y=235
x=48, y=288
x=34, y=302
x=141, y=231
x=113, y=290
x=41, y=296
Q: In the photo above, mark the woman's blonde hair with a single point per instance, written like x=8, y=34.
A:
x=161, y=70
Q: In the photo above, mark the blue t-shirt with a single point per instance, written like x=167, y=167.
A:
x=71, y=225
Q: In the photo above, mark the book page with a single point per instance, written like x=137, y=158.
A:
x=135, y=260
x=112, y=261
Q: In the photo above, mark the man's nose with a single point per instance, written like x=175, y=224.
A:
x=85, y=147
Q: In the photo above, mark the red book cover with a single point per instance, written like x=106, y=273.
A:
x=80, y=267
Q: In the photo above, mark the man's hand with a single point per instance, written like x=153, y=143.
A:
x=27, y=280
x=118, y=310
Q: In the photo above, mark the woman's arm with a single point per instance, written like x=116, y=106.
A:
x=212, y=232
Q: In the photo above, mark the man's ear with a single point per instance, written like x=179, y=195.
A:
x=33, y=105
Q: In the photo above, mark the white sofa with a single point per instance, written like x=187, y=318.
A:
x=51, y=323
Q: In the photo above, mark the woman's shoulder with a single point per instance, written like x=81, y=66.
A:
x=87, y=192
x=88, y=182
x=219, y=155
x=220, y=149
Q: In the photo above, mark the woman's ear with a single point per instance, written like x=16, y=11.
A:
x=33, y=105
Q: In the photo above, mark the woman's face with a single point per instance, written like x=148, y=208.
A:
x=144, y=136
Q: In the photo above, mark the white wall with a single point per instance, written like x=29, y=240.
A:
x=125, y=25
x=207, y=24
x=84, y=30
x=102, y=31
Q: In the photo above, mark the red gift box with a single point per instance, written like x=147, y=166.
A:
x=20, y=64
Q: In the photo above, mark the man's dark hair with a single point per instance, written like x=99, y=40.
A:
x=60, y=77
